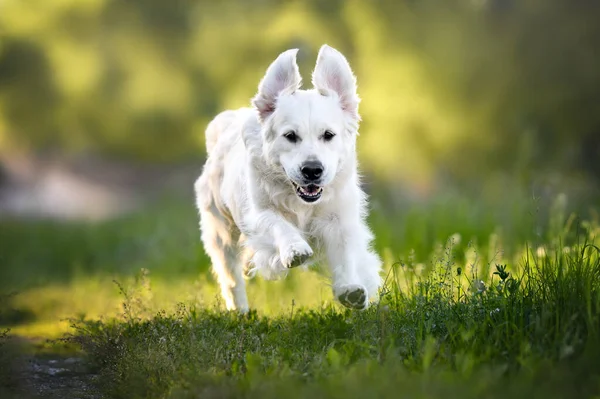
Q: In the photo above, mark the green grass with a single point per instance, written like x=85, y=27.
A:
x=449, y=332
x=494, y=298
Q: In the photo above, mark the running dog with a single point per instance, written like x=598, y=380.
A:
x=281, y=189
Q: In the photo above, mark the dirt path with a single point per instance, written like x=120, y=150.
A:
x=46, y=375
x=55, y=377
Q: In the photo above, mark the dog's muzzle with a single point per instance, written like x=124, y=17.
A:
x=310, y=191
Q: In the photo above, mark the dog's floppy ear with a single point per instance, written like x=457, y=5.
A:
x=282, y=76
x=333, y=73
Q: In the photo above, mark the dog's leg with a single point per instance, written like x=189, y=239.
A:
x=225, y=257
x=292, y=247
x=354, y=267
x=233, y=285
x=369, y=268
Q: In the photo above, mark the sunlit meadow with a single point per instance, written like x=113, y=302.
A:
x=479, y=145
x=468, y=307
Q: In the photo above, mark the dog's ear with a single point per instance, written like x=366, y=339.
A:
x=333, y=73
x=282, y=76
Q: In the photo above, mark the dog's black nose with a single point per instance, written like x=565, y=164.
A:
x=312, y=170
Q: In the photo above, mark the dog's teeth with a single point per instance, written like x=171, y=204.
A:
x=309, y=191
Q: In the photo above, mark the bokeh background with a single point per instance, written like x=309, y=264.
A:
x=481, y=120
x=454, y=91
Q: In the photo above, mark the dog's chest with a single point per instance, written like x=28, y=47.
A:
x=300, y=218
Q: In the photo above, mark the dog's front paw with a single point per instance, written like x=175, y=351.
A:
x=295, y=254
x=352, y=296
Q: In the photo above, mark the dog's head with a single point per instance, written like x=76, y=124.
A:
x=308, y=134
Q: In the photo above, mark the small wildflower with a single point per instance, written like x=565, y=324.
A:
x=479, y=286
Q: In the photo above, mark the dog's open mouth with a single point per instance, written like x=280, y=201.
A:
x=309, y=193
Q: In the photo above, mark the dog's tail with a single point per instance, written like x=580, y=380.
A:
x=215, y=127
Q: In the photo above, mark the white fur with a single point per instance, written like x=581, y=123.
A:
x=250, y=214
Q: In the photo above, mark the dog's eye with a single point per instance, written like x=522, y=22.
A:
x=328, y=135
x=292, y=137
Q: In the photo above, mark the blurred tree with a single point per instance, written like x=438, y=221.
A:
x=452, y=88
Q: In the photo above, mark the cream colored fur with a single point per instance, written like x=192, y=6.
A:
x=252, y=217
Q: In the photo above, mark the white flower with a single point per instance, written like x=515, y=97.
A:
x=479, y=285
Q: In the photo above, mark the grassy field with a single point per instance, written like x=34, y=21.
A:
x=484, y=297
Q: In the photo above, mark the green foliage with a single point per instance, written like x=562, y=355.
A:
x=489, y=296
x=445, y=336
x=450, y=88
x=37, y=252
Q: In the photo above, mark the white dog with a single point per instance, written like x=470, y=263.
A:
x=280, y=186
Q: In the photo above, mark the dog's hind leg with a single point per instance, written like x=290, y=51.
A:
x=221, y=246
x=230, y=274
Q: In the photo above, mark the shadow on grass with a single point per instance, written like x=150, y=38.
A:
x=11, y=366
x=10, y=315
